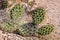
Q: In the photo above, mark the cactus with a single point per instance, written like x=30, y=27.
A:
x=5, y=4
x=38, y=15
x=44, y=30
x=16, y=11
x=8, y=26
x=28, y=29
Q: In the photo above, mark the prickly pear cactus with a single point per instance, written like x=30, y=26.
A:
x=8, y=26
x=19, y=24
x=44, y=30
x=5, y=4
x=28, y=29
x=16, y=11
x=38, y=15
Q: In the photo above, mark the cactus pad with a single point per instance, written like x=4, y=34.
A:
x=38, y=15
x=16, y=11
x=27, y=29
x=47, y=29
x=5, y=4
x=8, y=26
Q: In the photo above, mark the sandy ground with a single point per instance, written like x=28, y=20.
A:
x=52, y=16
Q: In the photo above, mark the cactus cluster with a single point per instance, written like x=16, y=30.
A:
x=44, y=30
x=5, y=4
x=38, y=15
x=28, y=29
x=16, y=11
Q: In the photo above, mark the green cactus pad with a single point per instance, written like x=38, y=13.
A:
x=16, y=11
x=47, y=29
x=38, y=15
x=8, y=26
x=5, y=4
x=27, y=29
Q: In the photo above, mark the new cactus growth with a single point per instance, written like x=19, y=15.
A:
x=31, y=3
x=44, y=30
x=5, y=4
x=28, y=29
x=16, y=11
x=38, y=15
